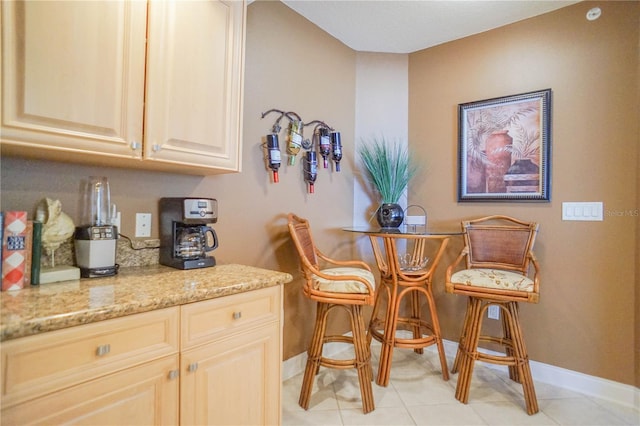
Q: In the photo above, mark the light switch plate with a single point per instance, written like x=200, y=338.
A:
x=582, y=211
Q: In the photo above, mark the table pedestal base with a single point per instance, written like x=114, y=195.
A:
x=419, y=333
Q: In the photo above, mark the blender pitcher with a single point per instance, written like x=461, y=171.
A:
x=97, y=203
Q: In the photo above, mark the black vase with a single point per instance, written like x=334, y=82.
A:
x=390, y=215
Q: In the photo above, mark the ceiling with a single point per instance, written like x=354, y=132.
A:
x=399, y=26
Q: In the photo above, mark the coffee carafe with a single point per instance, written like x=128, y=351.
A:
x=95, y=240
x=186, y=239
x=193, y=242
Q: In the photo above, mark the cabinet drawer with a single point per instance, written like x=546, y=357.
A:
x=205, y=321
x=36, y=365
x=142, y=395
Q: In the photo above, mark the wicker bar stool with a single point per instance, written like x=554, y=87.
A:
x=498, y=254
x=348, y=286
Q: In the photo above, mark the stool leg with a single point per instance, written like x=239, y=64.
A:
x=469, y=350
x=435, y=324
x=374, y=312
x=388, y=339
x=314, y=354
x=363, y=358
x=415, y=316
x=522, y=360
x=509, y=348
x=463, y=336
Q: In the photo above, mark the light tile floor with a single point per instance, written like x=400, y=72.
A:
x=417, y=395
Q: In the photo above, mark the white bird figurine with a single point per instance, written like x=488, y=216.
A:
x=57, y=225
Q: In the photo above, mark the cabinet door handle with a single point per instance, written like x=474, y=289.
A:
x=237, y=315
x=135, y=145
x=103, y=350
x=173, y=374
x=192, y=367
x=156, y=147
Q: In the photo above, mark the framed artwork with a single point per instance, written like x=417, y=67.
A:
x=505, y=148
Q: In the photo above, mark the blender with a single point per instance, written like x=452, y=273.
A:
x=95, y=240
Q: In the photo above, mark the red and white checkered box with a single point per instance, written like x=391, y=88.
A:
x=14, y=245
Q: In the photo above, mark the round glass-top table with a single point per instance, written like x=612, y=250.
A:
x=407, y=230
x=404, y=277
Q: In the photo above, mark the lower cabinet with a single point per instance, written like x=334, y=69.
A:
x=232, y=382
x=230, y=360
x=210, y=362
x=143, y=395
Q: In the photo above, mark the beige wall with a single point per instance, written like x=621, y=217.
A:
x=637, y=268
x=585, y=318
x=584, y=321
x=382, y=102
x=291, y=65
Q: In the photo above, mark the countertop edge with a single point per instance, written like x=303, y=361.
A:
x=172, y=288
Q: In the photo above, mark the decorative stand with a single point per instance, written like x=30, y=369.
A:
x=415, y=223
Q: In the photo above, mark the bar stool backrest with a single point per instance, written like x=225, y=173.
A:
x=301, y=235
x=499, y=242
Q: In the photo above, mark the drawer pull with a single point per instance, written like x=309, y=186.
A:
x=173, y=374
x=102, y=350
x=237, y=315
x=192, y=367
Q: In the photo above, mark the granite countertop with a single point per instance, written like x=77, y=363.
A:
x=53, y=306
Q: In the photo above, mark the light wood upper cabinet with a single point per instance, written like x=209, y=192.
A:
x=81, y=78
x=194, y=83
x=73, y=76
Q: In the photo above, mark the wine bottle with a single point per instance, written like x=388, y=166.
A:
x=294, y=139
x=324, y=145
x=310, y=169
x=336, y=149
x=273, y=151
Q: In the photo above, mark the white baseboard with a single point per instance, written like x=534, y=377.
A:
x=597, y=387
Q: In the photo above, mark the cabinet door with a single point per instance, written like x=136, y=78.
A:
x=73, y=77
x=194, y=83
x=234, y=381
x=143, y=395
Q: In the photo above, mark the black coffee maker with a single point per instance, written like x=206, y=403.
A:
x=185, y=235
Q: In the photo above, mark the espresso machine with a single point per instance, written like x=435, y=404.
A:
x=185, y=235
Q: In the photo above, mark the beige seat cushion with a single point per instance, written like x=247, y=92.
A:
x=347, y=286
x=493, y=278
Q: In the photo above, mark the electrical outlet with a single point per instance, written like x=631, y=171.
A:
x=493, y=312
x=143, y=225
x=117, y=221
